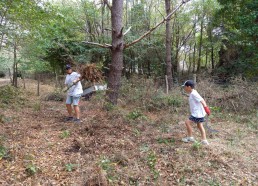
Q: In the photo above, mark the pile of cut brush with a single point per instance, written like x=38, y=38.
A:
x=91, y=72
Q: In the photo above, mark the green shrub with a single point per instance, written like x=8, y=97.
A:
x=31, y=169
x=65, y=134
x=163, y=101
x=10, y=95
x=134, y=114
x=3, y=152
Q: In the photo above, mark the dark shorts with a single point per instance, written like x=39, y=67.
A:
x=196, y=120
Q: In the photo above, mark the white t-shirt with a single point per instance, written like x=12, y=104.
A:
x=196, y=107
x=75, y=90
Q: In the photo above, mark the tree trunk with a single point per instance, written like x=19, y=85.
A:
x=116, y=67
x=190, y=60
x=168, y=47
x=206, y=59
x=15, y=68
x=200, y=47
x=194, y=51
x=38, y=79
x=212, y=57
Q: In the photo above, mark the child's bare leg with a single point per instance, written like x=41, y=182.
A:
x=188, y=124
x=202, y=130
x=77, y=111
x=69, y=110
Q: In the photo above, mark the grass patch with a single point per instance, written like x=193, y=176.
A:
x=11, y=96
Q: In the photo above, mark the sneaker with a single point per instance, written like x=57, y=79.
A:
x=68, y=119
x=188, y=139
x=204, y=142
x=76, y=120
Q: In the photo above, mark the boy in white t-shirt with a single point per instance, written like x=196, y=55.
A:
x=74, y=93
x=198, y=109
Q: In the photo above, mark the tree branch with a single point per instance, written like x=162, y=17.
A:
x=152, y=29
x=127, y=30
x=97, y=44
x=121, y=33
x=108, y=5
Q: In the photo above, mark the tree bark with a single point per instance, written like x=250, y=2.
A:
x=15, y=68
x=200, y=46
x=116, y=67
x=212, y=58
x=168, y=47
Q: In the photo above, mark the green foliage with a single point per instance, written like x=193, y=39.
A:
x=135, y=114
x=10, y=95
x=162, y=101
x=168, y=141
x=216, y=109
x=5, y=63
x=151, y=161
x=106, y=164
x=3, y=152
x=109, y=167
x=65, y=134
x=196, y=146
x=239, y=27
x=37, y=106
x=109, y=106
x=70, y=167
x=31, y=169
x=144, y=148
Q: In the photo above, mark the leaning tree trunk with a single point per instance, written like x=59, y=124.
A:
x=116, y=67
x=168, y=47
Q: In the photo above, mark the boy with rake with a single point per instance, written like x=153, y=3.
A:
x=198, y=109
x=73, y=94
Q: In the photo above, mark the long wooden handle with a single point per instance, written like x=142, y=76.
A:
x=74, y=83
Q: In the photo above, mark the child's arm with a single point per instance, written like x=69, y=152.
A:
x=206, y=108
x=78, y=78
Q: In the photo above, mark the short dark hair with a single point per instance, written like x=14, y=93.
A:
x=189, y=83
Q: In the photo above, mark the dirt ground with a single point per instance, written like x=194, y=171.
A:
x=111, y=148
x=4, y=81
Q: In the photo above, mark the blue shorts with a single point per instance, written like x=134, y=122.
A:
x=73, y=100
x=196, y=120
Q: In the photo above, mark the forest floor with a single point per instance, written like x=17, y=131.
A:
x=4, y=81
x=122, y=146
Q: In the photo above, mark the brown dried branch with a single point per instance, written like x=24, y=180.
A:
x=91, y=73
